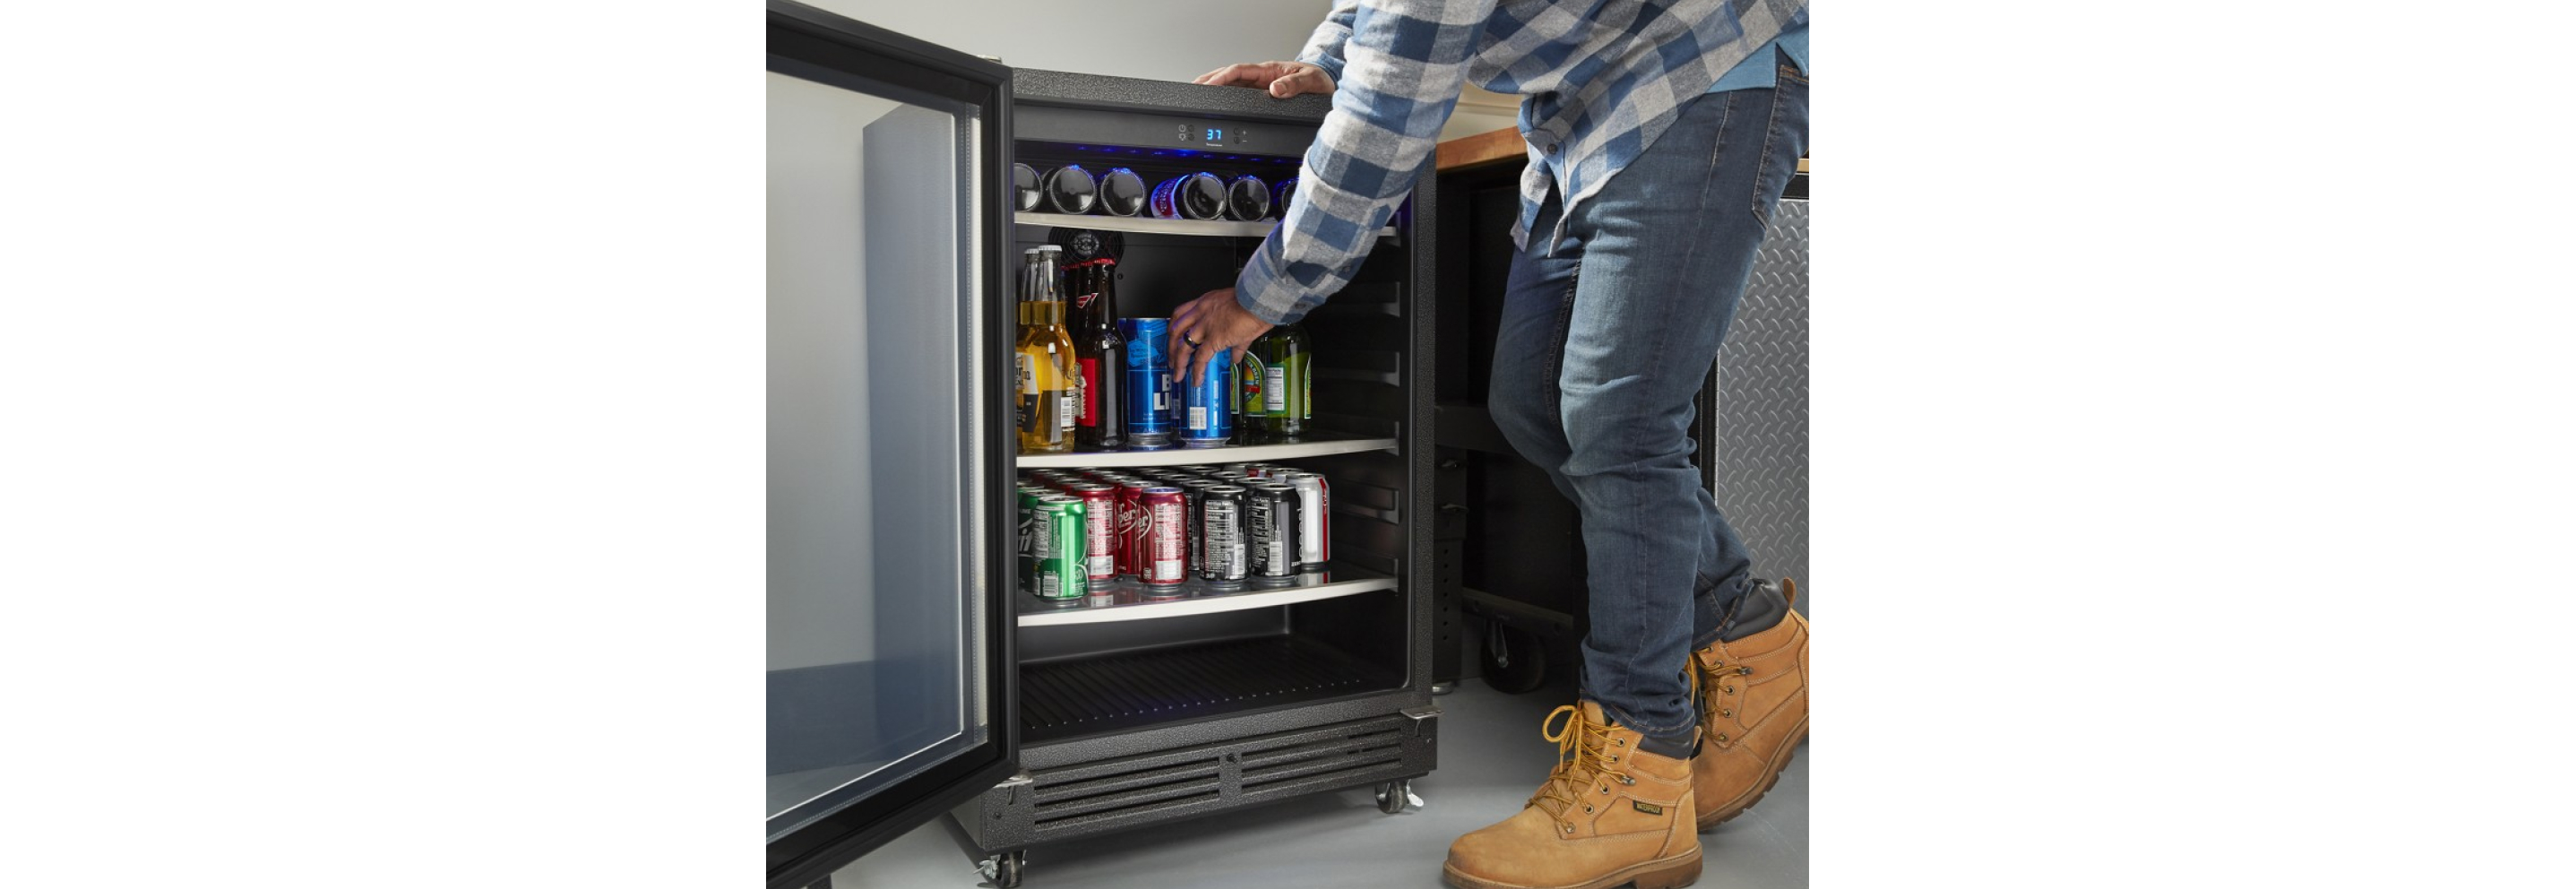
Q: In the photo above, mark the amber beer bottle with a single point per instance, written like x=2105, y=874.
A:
x=1044, y=361
x=1101, y=354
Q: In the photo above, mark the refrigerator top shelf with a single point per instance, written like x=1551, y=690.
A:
x=1127, y=599
x=1203, y=228
x=1314, y=446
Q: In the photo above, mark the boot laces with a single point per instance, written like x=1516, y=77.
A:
x=1582, y=754
x=1706, y=671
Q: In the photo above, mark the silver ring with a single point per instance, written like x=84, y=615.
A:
x=1194, y=341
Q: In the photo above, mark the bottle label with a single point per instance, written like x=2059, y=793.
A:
x=1253, y=376
x=1090, y=392
x=1275, y=391
x=1066, y=406
x=1028, y=375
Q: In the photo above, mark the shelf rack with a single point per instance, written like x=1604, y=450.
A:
x=1316, y=446
x=1126, y=599
x=1215, y=228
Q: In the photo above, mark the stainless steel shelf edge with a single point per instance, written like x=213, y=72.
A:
x=1212, y=228
x=1199, y=599
x=1187, y=456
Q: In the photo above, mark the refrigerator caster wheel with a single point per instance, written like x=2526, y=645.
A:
x=1005, y=869
x=1442, y=688
x=1395, y=796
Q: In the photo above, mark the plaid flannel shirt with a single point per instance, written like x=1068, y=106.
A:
x=1599, y=87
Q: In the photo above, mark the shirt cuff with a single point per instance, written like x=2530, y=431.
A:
x=1332, y=66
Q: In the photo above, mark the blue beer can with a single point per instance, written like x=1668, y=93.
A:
x=1149, y=382
x=1207, y=409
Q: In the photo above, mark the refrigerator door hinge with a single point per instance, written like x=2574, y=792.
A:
x=1426, y=711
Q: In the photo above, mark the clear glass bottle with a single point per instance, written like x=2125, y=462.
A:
x=1049, y=385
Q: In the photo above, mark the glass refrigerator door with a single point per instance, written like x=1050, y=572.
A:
x=889, y=675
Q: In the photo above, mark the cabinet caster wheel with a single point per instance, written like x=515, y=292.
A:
x=1005, y=869
x=1395, y=796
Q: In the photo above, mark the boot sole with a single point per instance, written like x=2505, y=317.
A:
x=1787, y=753
x=1670, y=873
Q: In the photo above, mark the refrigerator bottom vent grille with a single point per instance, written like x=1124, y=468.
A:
x=1142, y=792
x=1069, y=698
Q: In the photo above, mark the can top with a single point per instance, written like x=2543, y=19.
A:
x=1162, y=489
x=1089, y=486
x=1059, y=498
x=1225, y=489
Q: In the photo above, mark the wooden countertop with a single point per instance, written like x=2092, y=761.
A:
x=1501, y=145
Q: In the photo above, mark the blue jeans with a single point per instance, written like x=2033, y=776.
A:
x=1603, y=346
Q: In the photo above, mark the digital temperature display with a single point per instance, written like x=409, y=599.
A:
x=1215, y=134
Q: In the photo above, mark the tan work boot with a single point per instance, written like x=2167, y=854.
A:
x=1609, y=814
x=1753, y=713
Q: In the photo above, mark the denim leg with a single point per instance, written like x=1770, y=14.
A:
x=1667, y=245
x=1522, y=395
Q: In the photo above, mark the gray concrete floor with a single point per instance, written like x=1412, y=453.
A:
x=1491, y=757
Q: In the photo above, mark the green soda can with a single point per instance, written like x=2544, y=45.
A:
x=1061, y=548
x=1028, y=564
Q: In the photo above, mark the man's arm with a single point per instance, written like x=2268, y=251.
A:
x=1402, y=64
x=1324, y=48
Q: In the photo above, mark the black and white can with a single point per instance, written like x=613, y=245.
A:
x=1225, y=543
x=1271, y=515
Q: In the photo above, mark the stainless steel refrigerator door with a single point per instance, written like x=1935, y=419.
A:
x=887, y=646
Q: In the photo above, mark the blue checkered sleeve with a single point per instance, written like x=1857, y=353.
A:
x=1404, y=61
x=1324, y=49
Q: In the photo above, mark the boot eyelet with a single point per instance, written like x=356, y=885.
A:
x=1569, y=828
x=1729, y=714
x=1744, y=671
x=1587, y=808
x=1614, y=759
x=1721, y=738
x=1623, y=779
x=1605, y=790
x=1729, y=689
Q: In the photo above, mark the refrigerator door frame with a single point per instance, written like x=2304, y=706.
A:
x=804, y=34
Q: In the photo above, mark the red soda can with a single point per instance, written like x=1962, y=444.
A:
x=1100, y=503
x=1166, y=553
x=1135, y=528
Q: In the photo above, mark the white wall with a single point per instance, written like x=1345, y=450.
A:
x=1153, y=39
x=822, y=608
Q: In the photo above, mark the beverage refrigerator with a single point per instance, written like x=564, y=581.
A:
x=909, y=677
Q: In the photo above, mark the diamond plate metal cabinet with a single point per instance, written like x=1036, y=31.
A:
x=1761, y=405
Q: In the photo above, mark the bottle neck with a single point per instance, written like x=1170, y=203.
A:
x=1042, y=313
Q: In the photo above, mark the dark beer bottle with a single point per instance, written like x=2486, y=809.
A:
x=1102, y=354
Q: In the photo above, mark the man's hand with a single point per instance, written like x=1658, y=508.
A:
x=1217, y=322
x=1282, y=79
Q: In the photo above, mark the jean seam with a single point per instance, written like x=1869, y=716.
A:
x=1762, y=173
x=1557, y=337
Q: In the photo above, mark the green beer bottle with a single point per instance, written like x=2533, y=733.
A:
x=1287, y=384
